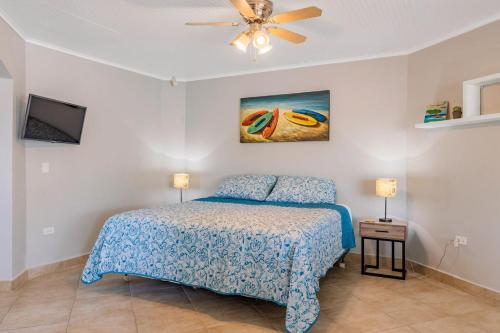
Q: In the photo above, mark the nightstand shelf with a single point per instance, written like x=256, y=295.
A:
x=394, y=232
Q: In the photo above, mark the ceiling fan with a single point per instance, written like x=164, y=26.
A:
x=257, y=15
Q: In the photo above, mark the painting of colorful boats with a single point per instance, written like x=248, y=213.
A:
x=286, y=118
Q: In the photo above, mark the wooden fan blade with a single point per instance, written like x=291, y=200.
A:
x=217, y=24
x=295, y=15
x=287, y=35
x=237, y=38
x=244, y=8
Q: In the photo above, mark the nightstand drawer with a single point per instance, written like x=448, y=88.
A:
x=382, y=231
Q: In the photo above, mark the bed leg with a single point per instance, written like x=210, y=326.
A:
x=126, y=278
x=341, y=262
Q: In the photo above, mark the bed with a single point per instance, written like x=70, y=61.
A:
x=274, y=251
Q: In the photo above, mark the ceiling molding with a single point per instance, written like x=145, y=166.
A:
x=418, y=48
x=300, y=65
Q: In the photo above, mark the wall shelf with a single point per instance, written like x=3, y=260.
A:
x=473, y=120
x=472, y=106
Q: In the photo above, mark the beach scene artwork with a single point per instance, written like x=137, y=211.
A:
x=286, y=118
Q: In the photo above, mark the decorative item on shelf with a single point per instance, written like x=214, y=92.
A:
x=438, y=112
x=181, y=181
x=386, y=188
x=457, y=112
x=286, y=118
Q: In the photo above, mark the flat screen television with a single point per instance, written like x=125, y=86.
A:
x=53, y=121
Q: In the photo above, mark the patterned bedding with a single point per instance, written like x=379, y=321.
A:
x=271, y=251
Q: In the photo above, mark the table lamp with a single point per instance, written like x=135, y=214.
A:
x=181, y=181
x=386, y=187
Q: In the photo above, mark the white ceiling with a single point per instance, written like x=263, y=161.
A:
x=149, y=36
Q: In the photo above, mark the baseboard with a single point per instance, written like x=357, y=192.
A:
x=455, y=281
x=38, y=271
x=15, y=283
x=56, y=266
x=434, y=274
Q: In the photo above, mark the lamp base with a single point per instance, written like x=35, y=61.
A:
x=386, y=220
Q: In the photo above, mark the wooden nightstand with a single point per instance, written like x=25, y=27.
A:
x=394, y=232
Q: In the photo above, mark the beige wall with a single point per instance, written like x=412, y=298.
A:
x=6, y=172
x=490, y=99
x=133, y=139
x=368, y=131
x=453, y=178
x=12, y=214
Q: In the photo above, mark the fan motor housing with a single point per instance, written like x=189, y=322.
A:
x=262, y=9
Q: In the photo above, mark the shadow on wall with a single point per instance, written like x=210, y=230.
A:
x=415, y=244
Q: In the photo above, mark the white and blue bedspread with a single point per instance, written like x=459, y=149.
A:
x=272, y=251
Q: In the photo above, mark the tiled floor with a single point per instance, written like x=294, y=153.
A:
x=349, y=303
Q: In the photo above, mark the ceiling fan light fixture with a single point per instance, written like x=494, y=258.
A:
x=257, y=15
x=260, y=40
x=265, y=49
x=241, y=42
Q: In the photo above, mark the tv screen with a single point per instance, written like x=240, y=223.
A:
x=53, y=121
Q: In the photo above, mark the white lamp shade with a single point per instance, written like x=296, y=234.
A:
x=181, y=180
x=386, y=187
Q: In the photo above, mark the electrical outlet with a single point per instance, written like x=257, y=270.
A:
x=460, y=241
x=48, y=231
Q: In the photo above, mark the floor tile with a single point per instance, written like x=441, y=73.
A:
x=241, y=327
x=111, y=321
x=58, y=328
x=7, y=298
x=153, y=298
x=414, y=313
x=405, y=329
x=465, y=305
x=112, y=285
x=168, y=320
x=447, y=325
x=370, y=322
x=44, y=295
x=438, y=295
x=230, y=310
x=103, y=314
x=488, y=320
x=25, y=315
x=138, y=285
x=378, y=294
x=325, y=325
x=94, y=306
x=65, y=278
x=349, y=309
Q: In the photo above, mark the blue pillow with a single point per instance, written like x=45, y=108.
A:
x=303, y=190
x=250, y=187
